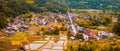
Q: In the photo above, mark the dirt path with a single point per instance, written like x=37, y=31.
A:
x=55, y=46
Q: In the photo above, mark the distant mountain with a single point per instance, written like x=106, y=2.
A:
x=86, y=4
x=97, y=4
x=17, y=7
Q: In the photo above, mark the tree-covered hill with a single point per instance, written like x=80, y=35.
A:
x=90, y=4
x=17, y=7
x=81, y=4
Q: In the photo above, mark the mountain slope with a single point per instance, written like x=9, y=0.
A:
x=17, y=7
x=89, y=4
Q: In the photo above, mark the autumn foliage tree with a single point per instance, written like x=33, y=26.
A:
x=82, y=23
x=93, y=46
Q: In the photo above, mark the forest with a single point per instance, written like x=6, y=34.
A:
x=84, y=4
x=17, y=7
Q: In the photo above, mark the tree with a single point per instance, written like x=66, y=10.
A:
x=56, y=30
x=106, y=20
x=94, y=22
x=28, y=15
x=82, y=23
x=63, y=28
x=3, y=21
x=116, y=28
x=79, y=36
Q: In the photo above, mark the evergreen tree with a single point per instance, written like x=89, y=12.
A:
x=116, y=27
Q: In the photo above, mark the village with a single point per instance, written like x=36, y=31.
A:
x=45, y=24
x=59, y=25
x=21, y=24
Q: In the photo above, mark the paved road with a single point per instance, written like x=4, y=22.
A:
x=72, y=23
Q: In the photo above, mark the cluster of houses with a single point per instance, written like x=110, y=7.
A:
x=88, y=34
x=45, y=19
x=40, y=21
x=20, y=23
x=17, y=24
x=95, y=34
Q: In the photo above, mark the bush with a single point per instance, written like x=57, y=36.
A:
x=92, y=27
x=28, y=15
x=82, y=23
x=56, y=30
x=93, y=46
x=79, y=36
x=69, y=34
x=19, y=36
x=63, y=28
x=1, y=48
